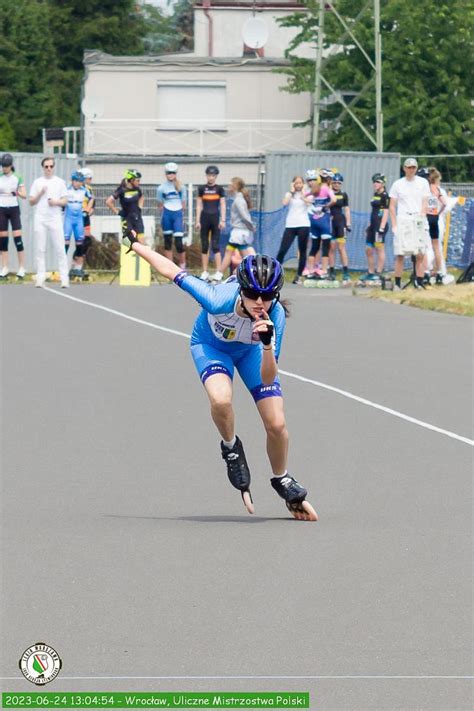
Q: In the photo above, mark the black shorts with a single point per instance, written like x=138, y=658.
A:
x=338, y=226
x=372, y=236
x=133, y=222
x=210, y=223
x=433, y=224
x=12, y=215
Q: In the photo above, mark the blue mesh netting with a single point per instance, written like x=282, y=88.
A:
x=271, y=225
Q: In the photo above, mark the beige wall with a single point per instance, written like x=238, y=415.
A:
x=227, y=33
x=253, y=92
x=106, y=173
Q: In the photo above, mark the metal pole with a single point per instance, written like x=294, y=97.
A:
x=378, y=78
x=317, y=77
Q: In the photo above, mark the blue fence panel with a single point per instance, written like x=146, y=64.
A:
x=271, y=225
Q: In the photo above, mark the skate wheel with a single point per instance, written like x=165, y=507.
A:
x=248, y=503
x=302, y=511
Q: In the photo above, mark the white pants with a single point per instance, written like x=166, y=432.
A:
x=412, y=235
x=53, y=225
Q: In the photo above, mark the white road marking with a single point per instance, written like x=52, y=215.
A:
x=295, y=376
x=224, y=678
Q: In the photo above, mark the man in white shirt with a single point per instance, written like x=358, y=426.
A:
x=49, y=194
x=408, y=206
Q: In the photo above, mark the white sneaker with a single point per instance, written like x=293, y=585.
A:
x=21, y=273
x=4, y=273
x=64, y=285
x=204, y=276
x=39, y=283
x=217, y=276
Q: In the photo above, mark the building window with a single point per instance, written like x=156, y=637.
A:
x=191, y=104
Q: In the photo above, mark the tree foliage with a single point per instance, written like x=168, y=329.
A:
x=426, y=68
x=41, y=52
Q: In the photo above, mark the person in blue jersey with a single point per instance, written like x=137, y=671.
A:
x=321, y=199
x=77, y=195
x=170, y=196
x=241, y=327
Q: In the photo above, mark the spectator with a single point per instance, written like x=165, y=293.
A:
x=11, y=188
x=296, y=225
x=241, y=225
x=131, y=199
x=437, y=203
x=77, y=195
x=210, y=219
x=340, y=224
x=321, y=200
x=170, y=196
x=377, y=230
x=49, y=195
x=408, y=206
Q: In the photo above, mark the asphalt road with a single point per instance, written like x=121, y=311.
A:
x=125, y=548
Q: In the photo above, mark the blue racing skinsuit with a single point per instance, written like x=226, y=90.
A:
x=73, y=218
x=222, y=340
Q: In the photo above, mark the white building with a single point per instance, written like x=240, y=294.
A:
x=219, y=103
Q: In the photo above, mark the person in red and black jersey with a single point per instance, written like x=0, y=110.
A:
x=210, y=219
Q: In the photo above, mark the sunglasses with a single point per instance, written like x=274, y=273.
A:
x=255, y=295
x=48, y=167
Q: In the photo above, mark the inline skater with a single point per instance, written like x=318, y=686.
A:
x=377, y=230
x=241, y=326
x=296, y=225
x=210, y=219
x=131, y=199
x=321, y=199
x=340, y=224
x=77, y=195
x=12, y=187
x=170, y=196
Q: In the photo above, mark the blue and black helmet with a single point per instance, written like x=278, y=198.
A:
x=338, y=178
x=77, y=176
x=260, y=274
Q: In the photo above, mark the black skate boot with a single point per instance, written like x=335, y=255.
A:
x=238, y=471
x=295, y=497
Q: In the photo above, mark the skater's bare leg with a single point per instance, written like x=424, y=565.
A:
x=219, y=391
x=273, y=416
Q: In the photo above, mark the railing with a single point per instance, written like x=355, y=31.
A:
x=241, y=137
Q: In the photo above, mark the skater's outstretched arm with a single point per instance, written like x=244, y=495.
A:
x=213, y=300
x=163, y=265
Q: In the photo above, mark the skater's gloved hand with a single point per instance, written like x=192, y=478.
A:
x=129, y=238
x=264, y=328
x=348, y=228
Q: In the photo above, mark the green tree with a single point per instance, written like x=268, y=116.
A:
x=28, y=71
x=426, y=73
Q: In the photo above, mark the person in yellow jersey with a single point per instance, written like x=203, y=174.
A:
x=130, y=196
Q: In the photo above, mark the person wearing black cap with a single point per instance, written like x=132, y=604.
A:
x=210, y=219
x=12, y=187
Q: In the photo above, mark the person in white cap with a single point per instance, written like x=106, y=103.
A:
x=408, y=207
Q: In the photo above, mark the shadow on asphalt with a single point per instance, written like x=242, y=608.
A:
x=204, y=519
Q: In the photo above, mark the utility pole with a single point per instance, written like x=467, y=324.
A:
x=375, y=79
x=378, y=78
x=317, y=77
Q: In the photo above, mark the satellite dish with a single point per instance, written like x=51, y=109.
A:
x=255, y=33
x=92, y=107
